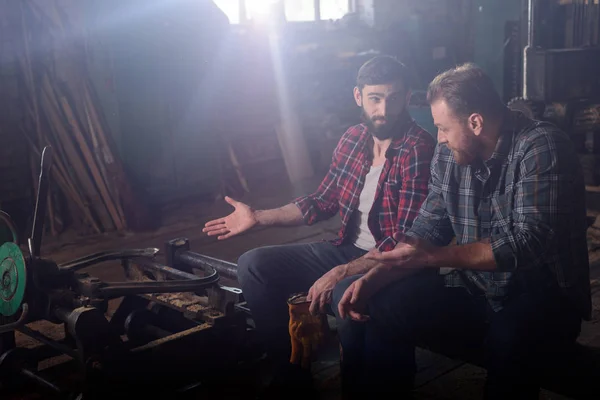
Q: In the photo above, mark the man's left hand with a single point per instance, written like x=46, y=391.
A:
x=409, y=253
x=354, y=301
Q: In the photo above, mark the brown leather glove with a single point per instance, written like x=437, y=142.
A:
x=306, y=330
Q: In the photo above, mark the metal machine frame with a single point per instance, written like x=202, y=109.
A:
x=175, y=325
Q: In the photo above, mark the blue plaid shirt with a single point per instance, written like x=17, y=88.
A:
x=528, y=199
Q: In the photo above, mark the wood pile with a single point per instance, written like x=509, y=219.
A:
x=62, y=111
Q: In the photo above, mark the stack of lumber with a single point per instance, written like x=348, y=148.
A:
x=62, y=111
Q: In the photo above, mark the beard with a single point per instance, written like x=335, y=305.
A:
x=466, y=153
x=462, y=158
x=382, y=131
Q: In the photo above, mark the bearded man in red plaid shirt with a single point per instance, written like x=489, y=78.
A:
x=377, y=180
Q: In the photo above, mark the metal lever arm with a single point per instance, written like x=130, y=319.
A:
x=117, y=289
x=96, y=258
x=200, y=261
x=18, y=323
x=183, y=282
x=39, y=216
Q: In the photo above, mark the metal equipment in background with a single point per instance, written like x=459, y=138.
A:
x=176, y=325
x=560, y=71
x=552, y=59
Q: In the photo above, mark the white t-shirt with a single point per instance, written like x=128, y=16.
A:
x=359, y=226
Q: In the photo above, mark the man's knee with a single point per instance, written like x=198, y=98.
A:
x=251, y=265
x=508, y=342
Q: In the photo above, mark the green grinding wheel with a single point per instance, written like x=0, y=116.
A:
x=12, y=278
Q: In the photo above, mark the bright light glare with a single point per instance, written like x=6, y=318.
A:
x=299, y=10
x=259, y=10
x=333, y=9
x=231, y=8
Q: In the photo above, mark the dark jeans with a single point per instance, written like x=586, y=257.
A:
x=379, y=356
x=269, y=275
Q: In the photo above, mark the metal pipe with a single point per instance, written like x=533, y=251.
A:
x=119, y=289
x=224, y=268
x=154, y=266
x=530, y=23
x=530, y=46
x=103, y=256
x=40, y=381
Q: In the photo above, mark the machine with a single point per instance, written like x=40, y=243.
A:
x=552, y=58
x=176, y=325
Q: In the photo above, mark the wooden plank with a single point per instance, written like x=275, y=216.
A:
x=103, y=152
x=59, y=173
x=431, y=366
x=52, y=110
x=108, y=201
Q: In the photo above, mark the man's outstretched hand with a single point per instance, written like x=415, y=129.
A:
x=240, y=220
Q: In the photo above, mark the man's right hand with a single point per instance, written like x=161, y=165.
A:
x=321, y=291
x=240, y=220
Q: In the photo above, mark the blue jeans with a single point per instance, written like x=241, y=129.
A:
x=379, y=356
x=269, y=275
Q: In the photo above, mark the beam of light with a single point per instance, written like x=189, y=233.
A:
x=299, y=10
x=259, y=10
x=291, y=139
x=231, y=8
x=334, y=9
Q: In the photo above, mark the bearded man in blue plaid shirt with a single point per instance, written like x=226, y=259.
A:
x=509, y=190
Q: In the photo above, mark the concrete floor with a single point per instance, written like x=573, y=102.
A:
x=439, y=377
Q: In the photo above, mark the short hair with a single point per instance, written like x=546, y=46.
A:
x=466, y=89
x=381, y=70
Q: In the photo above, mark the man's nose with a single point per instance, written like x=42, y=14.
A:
x=386, y=110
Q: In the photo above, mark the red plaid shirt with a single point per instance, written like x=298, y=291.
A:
x=401, y=189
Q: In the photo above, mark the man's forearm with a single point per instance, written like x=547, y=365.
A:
x=474, y=256
x=362, y=266
x=359, y=266
x=289, y=214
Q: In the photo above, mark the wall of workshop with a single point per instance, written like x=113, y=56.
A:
x=154, y=70
x=16, y=180
x=100, y=61
x=489, y=20
x=453, y=31
x=153, y=65
x=434, y=34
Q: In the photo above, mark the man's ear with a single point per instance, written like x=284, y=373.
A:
x=357, y=97
x=476, y=123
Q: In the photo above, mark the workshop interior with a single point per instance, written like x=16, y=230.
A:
x=125, y=123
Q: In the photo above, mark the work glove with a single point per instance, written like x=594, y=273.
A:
x=306, y=330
